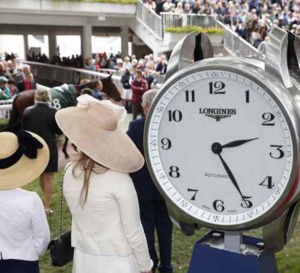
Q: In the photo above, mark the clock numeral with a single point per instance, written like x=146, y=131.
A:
x=268, y=117
x=216, y=218
x=166, y=143
x=162, y=176
x=267, y=182
x=182, y=84
x=279, y=114
x=214, y=74
x=195, y=192
x=278, y=191
x=160, y=109
x=281, y=153
x=250, y=214
x=246, y=204
x=190, y=96
x=184, y=203
x=174, y=172
x=216, y=88
x=153, y=143
x=175, y=115
x=218, y=205
x=247, y=96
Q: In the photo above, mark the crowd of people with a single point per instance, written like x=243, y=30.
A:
x=251, y=19
x=14, y=79
x=73, y=61
x=137, y=75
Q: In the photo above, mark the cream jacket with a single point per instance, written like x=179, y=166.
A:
x=24, y=230
x=109, y=223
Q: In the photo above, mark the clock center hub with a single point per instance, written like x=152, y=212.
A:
x=216, y=148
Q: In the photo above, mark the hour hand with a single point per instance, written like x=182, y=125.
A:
x=237, y=143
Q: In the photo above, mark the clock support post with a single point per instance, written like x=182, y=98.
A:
x=219, y=252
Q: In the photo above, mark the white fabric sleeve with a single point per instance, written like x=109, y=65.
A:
x=129, y=210
x=40, y=227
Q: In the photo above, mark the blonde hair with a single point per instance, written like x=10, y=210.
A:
x=42, y=95
x=84, y=81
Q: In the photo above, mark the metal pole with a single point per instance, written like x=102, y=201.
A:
x=233, y=240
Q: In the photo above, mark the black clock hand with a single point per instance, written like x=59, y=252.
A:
x=217, y=149
x=237, y=143
x=231, y=176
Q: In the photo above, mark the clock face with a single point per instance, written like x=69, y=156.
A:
x=219, y=147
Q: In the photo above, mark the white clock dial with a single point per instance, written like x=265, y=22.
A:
x=220, y=147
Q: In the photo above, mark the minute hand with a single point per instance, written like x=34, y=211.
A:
x=237, y=143
x=232, y=177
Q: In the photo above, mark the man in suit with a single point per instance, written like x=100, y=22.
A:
x=149, y=78
x=138, y=86
x=153, y=209
x=27, y=84
x=25, y=71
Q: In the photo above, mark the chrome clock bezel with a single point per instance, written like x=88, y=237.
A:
x=285, y=102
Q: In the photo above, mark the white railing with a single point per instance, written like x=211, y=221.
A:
x=149, y=19
x=69, y=75
x=5, y=107
x=232, y=42
x=173, y=20
x=236, y=45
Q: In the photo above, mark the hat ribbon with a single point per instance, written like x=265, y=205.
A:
x=28, y=146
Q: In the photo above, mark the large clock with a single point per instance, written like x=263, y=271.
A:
x=222, y=144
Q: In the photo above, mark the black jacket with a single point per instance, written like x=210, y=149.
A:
x=142, y=180
x=125, y=81
x=40, y=119
x=21, y=85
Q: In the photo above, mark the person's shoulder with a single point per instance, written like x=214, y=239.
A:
x=28, y=109
x=53, y=109
x=118, y=178
x=69, y=164
x=137, y=122
x=28, y=195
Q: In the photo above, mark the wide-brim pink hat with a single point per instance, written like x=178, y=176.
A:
x=93, y=127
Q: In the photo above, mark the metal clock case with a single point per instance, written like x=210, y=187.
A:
x=222, y=142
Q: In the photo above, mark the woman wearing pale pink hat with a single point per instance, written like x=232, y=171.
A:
x=106, y=229
x=24, y=232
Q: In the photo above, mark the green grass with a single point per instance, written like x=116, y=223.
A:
x=288, y=259
x=3, y=123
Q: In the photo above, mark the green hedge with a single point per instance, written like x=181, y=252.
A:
x=187, y=29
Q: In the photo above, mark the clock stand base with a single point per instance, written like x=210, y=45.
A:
x=209, y=256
